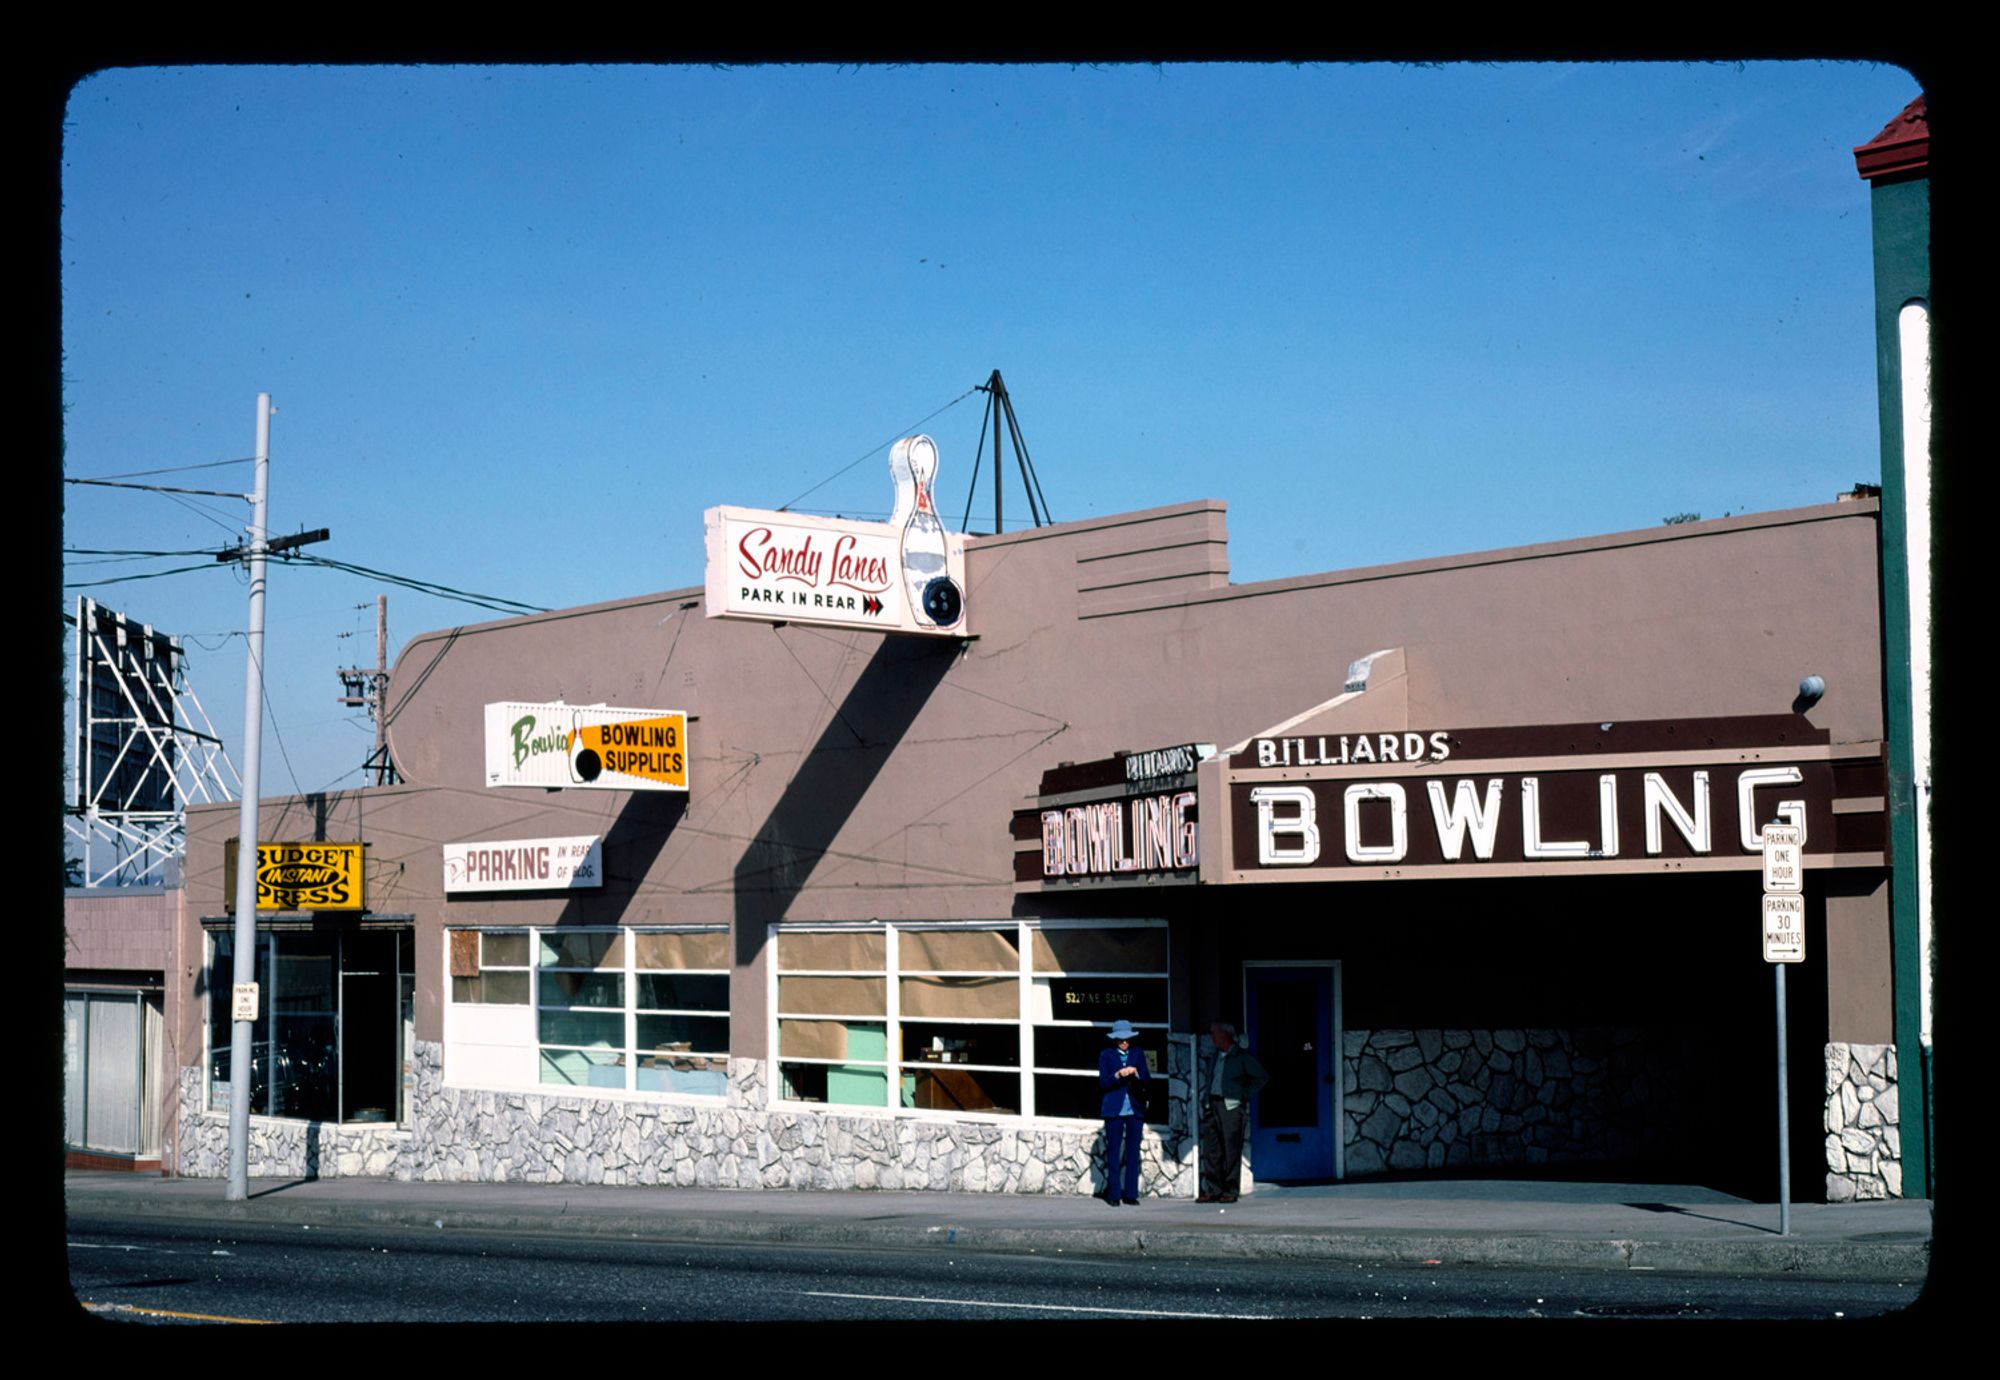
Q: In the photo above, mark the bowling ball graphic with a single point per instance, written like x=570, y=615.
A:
x=588, y=765
x=943, y=603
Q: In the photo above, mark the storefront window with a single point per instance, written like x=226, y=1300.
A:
x=833, y=1004
x=680, y=1003
x=581, y=1008
x=490, y=967
x=945, y=1015
x=625, y=1009
x=330, y=1038
x=1084, y=979
x=222, y=1080
x=112, y=1071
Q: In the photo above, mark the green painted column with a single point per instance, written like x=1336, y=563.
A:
x=1901, y=214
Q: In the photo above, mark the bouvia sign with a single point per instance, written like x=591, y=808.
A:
x=587, y=747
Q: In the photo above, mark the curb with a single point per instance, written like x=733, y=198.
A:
x=1840, y=1259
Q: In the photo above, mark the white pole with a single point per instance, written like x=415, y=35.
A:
x=240, y=1058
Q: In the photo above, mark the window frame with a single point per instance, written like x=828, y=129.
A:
x=629, y=1054
x=1028, y=1066
x=270, y=938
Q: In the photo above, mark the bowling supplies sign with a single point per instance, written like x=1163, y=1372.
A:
x=586, y=747
x=906, y=575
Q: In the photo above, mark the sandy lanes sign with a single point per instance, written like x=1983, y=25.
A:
x=904, y=575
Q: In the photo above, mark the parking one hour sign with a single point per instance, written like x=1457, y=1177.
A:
x=1784, y=861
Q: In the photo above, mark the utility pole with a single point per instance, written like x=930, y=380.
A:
x=370, y=690
x=244, y=993
x=244, y=978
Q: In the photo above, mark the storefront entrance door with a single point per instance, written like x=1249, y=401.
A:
x=1294, y=1030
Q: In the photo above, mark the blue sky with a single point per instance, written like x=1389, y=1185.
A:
x=524, y=324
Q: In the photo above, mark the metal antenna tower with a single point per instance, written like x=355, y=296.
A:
x=369, y=689
x=142, y=751
x=999, y=408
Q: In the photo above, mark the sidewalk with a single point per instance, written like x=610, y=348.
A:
x=1491, y=1222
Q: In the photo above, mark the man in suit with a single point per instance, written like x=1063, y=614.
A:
x=1121, y=1069
x=1225, y=1113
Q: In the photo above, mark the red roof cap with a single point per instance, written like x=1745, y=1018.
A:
x=1903, y=146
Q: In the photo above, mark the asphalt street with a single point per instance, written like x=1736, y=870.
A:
x=171, y=1272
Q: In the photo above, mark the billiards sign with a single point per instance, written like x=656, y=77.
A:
x=1659, y=796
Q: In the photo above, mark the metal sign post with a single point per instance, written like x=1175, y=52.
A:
x=1784, y=1118
x=1784, y=942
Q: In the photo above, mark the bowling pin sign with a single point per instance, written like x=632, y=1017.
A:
x=935, y=598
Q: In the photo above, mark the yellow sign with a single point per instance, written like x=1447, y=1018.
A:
x=652, y=749
x=589, y=746
x=301, y=876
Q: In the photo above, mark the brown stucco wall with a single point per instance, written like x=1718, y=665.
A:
x=134, y=932
x=1860, y=1000
x=848, y=775
x=126, y=929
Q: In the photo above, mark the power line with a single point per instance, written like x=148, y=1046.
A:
x=876, y=448
x=202, y=510
x=152, y=488
x=175, y=469
x=114, y=560
x=115, y=557
x=144, y=575
x=492, y=602
x=264, y=693
x=440, y=591
x=198, y=509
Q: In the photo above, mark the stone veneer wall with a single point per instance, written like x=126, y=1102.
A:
x=467, y=1134
x=1435, y=1099
x=280, y=1147
x=1864, y=1142
x=1413, y=1099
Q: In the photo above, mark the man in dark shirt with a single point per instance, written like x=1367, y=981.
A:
x=1225, y=1112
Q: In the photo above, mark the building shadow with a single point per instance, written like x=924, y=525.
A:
x=1703, y=1216
x=645, y=822
x=832, y=777
x=312, y=1176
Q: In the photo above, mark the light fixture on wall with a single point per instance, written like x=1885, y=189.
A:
x=1811, y=688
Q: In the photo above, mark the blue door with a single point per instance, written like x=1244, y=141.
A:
x=1288, y=1016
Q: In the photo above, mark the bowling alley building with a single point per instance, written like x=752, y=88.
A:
x=1467, y=847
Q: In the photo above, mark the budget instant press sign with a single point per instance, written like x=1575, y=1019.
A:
x=524, y=865
x=299, y=876
x=586, y=747
x=905, y=575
